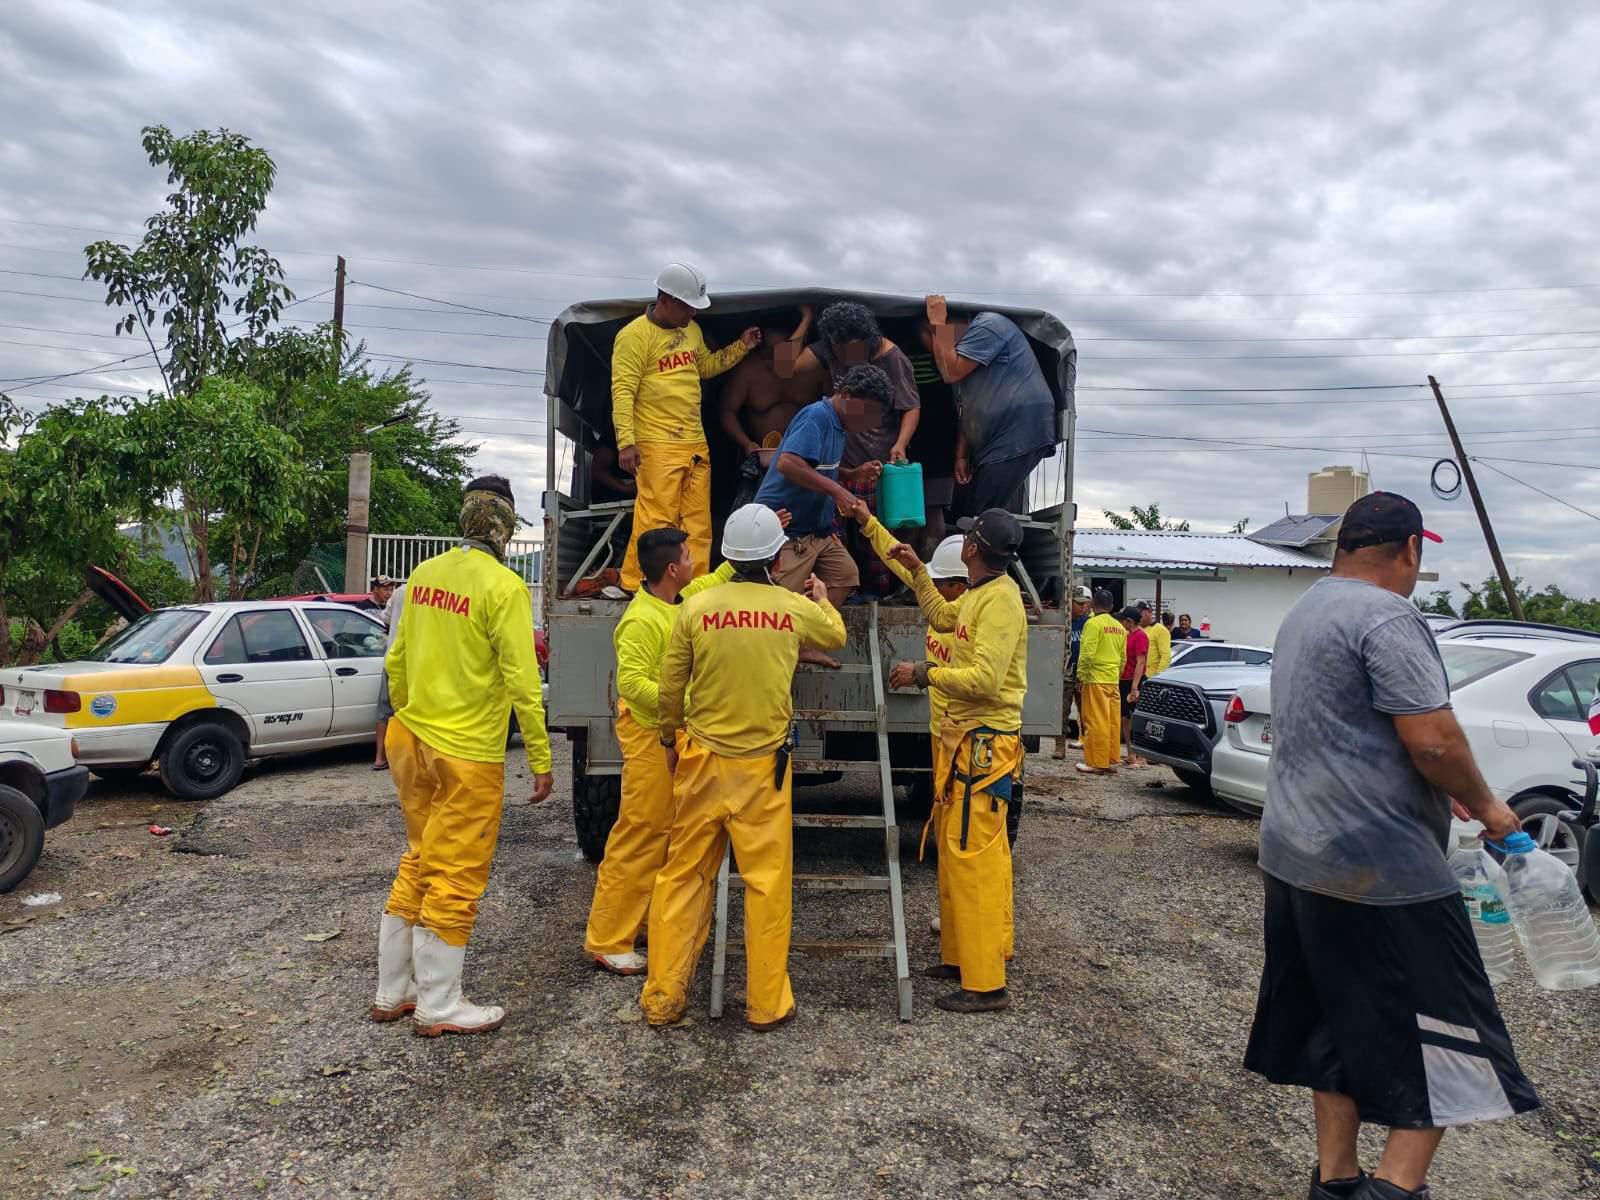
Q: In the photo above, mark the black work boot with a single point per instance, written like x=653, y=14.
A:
x=941, y=971
x=1382, y=1189
x=975, y=1002
x=1336, y=1189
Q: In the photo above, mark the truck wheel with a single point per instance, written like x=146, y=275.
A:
x=21, y=837
x=596, y=800
x=1197, y=783
x=202, y=761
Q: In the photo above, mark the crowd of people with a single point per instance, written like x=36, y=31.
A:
x=1373, y=995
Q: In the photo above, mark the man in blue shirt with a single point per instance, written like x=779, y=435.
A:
x=1008, y=413
x=805, y=478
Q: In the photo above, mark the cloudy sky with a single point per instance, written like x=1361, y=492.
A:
x=1216, y=199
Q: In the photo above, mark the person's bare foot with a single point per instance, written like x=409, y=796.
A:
x=817, y=658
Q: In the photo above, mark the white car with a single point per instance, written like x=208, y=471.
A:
x=1523, y=699
x=201, y=688
x=1193, y=652
x=40, y=785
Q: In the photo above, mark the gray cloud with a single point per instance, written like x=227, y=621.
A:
x=1131, y=157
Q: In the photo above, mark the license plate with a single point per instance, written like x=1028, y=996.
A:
x=1266, y=733
x=1155, y=731
x=25, y=702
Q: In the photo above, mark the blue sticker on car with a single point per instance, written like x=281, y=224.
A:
x=103, y=706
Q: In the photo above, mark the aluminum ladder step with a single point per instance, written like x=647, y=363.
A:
x=895, y=948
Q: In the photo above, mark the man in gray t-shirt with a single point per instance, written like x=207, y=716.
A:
x=1373, y=994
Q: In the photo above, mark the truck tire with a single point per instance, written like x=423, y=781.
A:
x=202, y=761
x=21, y=837
x=596, y=800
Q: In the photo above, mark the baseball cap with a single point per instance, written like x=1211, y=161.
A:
x=996, y=530
x=1128, y=614
x=1380, y=519
x=1082, y=593
x=379, y=581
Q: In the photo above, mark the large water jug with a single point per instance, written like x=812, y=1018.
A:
x=1552, y=921
x=900, y=495
x=1478, y=875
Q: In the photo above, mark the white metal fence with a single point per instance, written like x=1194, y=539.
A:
x=397, y=554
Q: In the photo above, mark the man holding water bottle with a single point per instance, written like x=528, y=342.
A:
x=1373, y=994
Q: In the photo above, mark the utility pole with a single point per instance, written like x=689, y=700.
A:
x=357, y=514
x=338, y=313
x=1477, y=503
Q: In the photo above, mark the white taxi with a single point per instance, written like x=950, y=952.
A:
x=201, y=688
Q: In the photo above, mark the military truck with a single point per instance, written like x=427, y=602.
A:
x=583, y=535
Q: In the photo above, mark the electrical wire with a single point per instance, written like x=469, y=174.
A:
x=488, y=312
x=1531, y=487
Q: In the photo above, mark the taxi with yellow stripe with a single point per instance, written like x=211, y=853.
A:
x=201, y=689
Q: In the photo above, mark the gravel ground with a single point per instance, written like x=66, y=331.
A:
x=174, y=1028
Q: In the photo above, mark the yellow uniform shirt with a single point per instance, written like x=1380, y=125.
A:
x=463, y=658
x=940, y=645
x=738, y=644
x=1160, y=649
x=1102, y=650
x=641, y=640
x=987, y=679
x=655, y=381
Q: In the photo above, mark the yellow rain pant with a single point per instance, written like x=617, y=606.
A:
x=974, y=770
x=452, y=814
x=674, y=480
x=1100, y=707
x=717, y=799
x=637, y=845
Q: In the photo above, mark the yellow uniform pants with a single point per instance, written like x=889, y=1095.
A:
x=674, y=482
x=637, y=845
x=719, y=799
x=452, y=814
x=972, y=777
x=1101, y=708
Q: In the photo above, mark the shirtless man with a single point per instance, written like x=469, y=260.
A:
x=765, y=391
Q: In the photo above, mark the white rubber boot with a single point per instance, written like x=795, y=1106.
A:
x=441, y=1008
x=631, y=963
x=933, y=925
x=397, y=987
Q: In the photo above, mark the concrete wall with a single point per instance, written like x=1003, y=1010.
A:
x=1247, y=605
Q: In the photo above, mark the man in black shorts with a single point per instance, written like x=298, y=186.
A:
x=1373, y=994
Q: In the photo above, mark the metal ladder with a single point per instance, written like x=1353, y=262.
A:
x=888, y=882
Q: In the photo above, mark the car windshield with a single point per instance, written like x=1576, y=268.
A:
x=150, y=639
x=1465, y=663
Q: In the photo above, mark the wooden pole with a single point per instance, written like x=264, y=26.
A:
x=1477, y=503
x=338, y=313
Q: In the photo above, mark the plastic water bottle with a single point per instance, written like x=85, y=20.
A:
x=1552, y=921
x=1478, y=876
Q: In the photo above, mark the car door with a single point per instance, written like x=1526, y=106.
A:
x=261, y=662
x=1565, y=699
x=353, y=645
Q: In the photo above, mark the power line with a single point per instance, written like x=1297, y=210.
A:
x=1531, y=487
x=1370, y=354
x=1342, y=387
x=49, y=296
x=520, y=337
x=440, y=362
x=1367, y=337
x=488, y=312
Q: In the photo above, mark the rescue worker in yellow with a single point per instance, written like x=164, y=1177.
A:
x=461, y=662
x=1102, y=654
x=978, y=756
x=637, y=845
x=726, y=681
x=657, y=363
x=1160, y=642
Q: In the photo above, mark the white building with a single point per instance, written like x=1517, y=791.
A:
x=1242, y=586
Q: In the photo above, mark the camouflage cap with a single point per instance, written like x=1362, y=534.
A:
x=488, y=517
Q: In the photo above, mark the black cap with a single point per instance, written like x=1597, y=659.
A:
x=1102, y=598
x=996, y=530
x=1128, y=614
x=1380, y=520
x=498, y=484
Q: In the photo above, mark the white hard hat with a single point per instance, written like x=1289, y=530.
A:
x=946, y=562
x=683, y=282
x=753, y=534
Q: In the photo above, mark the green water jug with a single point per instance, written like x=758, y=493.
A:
x=900, y=495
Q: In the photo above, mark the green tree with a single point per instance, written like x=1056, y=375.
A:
x=1240, y=525
x=1438, y=602
x=1550, y=606
x=190, y=270
x=1144, y=518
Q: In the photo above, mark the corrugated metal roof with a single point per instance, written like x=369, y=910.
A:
x=1297, y=531
x=1132, y=549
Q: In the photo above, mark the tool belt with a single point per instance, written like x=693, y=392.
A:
x=994, y=769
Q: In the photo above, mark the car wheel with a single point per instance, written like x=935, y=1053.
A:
x=596, y=800
x=1197, y=783
x=119, y=774
x=202, y=761
x=21, y=837
x=1567, y=844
